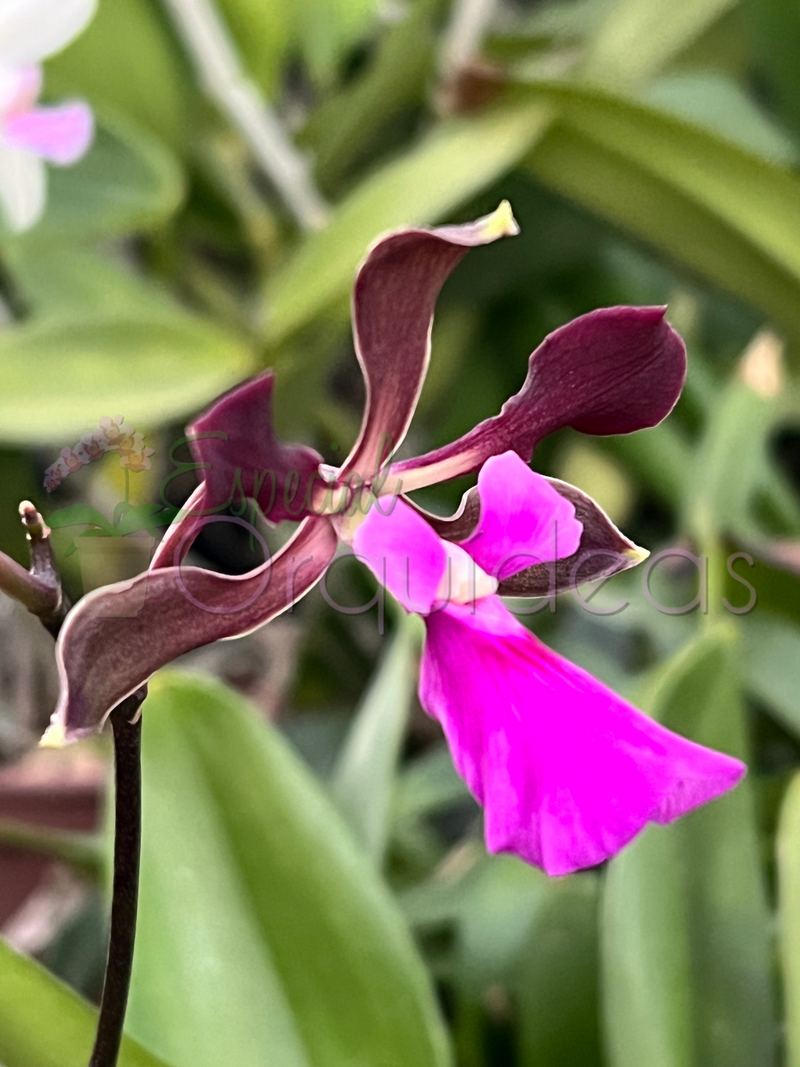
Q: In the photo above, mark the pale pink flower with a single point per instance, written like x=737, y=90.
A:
x=137, y=461
x=114, y=430
x=73, y=459
x=93, y=445
x=30, y=31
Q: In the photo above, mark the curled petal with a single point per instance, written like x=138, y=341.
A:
x=601, y=551
x=240, y=456
x=31, y=30
x=567, y=772
x=523, y=520
x=60, y=135
x=181, y=533
x=612, y=371
x=118, y=636
x=393, y=301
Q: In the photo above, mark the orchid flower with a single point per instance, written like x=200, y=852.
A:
x=566, y=771
x=30, y=31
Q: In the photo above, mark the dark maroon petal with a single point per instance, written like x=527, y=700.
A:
x=612, y=371
x=118, y=636
x=241, y=456
x=393, y=300
x=603, y=550
x=180, y=535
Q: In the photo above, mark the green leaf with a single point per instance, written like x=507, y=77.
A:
x=44, y=1024
x=682, y=188
x=721, y=105
x=449, y=166
x=640, y=37
x=685, y=931
x=101, y=340
x=771, y=666
x=128, y=59
x=79, y=515
x=362, y=782
x=556, y=985
x=265, y=936
x=127, y=181
x=788, y=856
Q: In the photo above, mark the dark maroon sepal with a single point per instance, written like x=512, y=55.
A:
x=241, y=458
x=612, y=371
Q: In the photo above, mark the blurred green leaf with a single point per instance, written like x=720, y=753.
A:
x=640, y=37
x=453, y=163
x=685, y=190
x=685, y=931
x=774, y=39
x=788, y=856
x=44, y=1024
x=771, y=666
x=126, y=60
x=723, y=106
x=732, y=466
x=128, y=181
x=363, y=778
x=556, y=985
x=343, y=128
x=102, y=340
x=265, y=937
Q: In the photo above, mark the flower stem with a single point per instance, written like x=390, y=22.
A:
x=127, y=727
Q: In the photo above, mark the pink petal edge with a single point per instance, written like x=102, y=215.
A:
x=61, y=135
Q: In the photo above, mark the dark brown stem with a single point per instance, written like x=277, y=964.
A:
x=126, y=724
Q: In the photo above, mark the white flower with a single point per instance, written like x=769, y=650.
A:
x=31, y=30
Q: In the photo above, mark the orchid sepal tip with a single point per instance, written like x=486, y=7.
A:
x=501, y=222
x=55, y=736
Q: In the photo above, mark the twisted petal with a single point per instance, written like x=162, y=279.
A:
x=60, y=135
x=601, y=551
x=523, y=520
x=393, y=302
x=119, y=635
x=568, y=772
x=612, y=371
x=31, y=30
x=241, y=457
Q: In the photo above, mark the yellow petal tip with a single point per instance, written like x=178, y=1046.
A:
x=55, y=736
x=636, y=554
x=501, y=223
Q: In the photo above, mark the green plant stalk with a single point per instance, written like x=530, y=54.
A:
x=80, y=851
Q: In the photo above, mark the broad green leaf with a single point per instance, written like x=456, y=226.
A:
x=684, y=189
x=44, y=1024
x=788, y=855
x=556, y=984
x=127, y=59
x=265, y=937
x=640, y=37
x=449, y=166
x=732, y=467
x=102, y=341
x=685, y=931
x=771, y=666
x=127, y=181
x=720, y=104
x=774, y=29
x=363, y=778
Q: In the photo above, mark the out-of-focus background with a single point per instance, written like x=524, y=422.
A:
x=339, y=908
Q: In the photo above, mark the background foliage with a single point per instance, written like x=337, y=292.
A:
x=315, y=890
